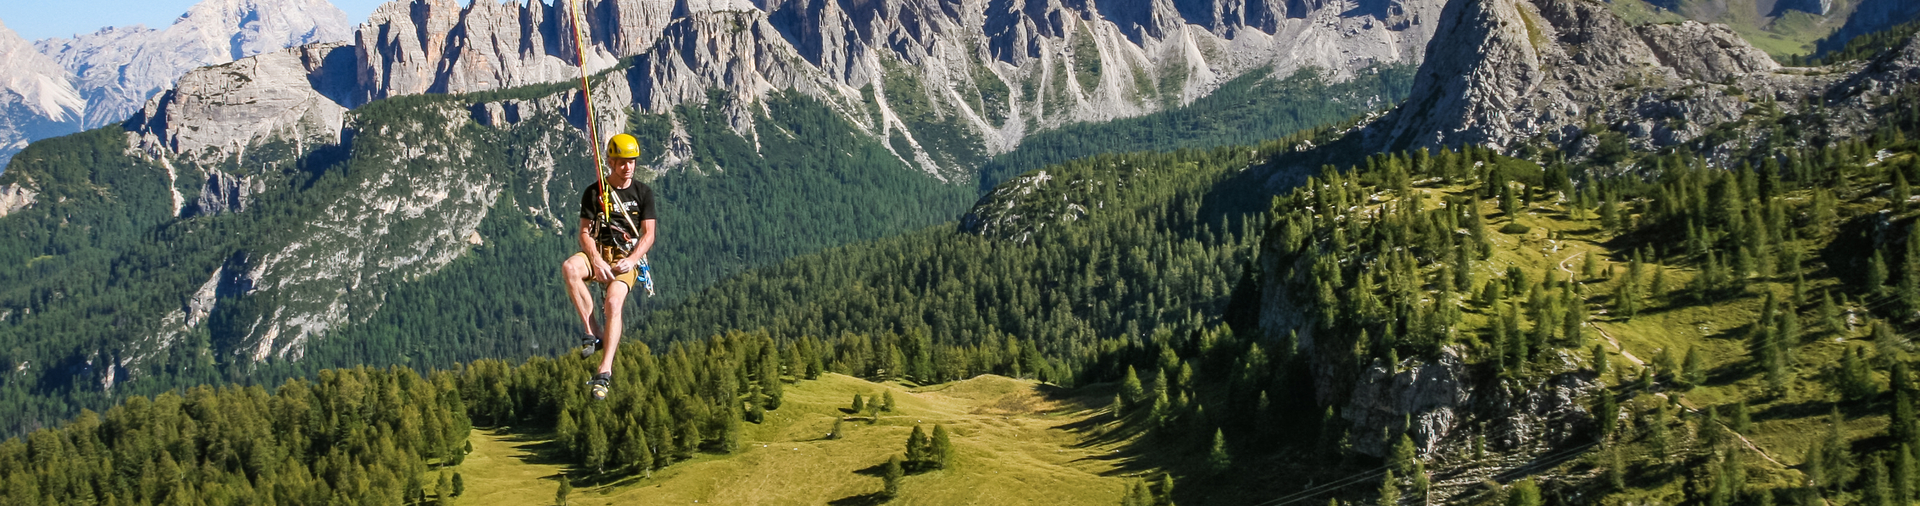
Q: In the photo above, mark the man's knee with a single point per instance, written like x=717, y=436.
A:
x=574, y=267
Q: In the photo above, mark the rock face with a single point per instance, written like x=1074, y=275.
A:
x=103, y=77
x=996, y=69
x=1499, y=72
x=221, y=110
x=37, y=98
x=14, y=197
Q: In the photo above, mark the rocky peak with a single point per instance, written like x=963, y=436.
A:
x=118, y=69
x=37, y=97
x=103, y=77
x=1499, y=72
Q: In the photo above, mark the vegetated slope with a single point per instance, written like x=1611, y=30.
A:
x=1746, y=325
x=422, y=245
x=1248, y=110
x=1014, y=441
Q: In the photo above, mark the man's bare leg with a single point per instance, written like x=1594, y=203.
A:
x=616, y=299
x=577, y=271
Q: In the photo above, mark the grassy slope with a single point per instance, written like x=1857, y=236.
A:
x=1017, y=442
x=1784, y=427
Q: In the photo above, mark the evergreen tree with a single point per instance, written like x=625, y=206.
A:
x=459, y=485
x=596, y=448
x=1523, y=493
x=839, y=429
x=1878, y=490
x=1130, y=389
x=1616, y=470
x=1902, y=474
x=917, y=449
x=1389, y=490
x=943, y=449
x=893, y=475
x=1837, y=461
x=1606, y=411
x=1694, y=370
x=1877, y=274
x=886, y=401
x=1218, y=460
x=859, y=404
x=1137, y=494
x=1600, y=360
x=566, y=489
x=1830, y=313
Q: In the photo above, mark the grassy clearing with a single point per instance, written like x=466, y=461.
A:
x=1016, y=443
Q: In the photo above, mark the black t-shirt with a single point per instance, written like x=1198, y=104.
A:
x=636, y=201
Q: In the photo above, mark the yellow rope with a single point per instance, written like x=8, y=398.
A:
x=593, y=127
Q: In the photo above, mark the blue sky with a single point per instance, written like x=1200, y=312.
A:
x=39, y=19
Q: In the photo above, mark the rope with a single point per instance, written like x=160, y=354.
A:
x=586, y=99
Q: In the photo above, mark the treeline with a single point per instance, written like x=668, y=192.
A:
x=351, y=436
x=1163, y=242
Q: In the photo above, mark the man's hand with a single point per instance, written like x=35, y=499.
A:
x=601, y=271
x=625, y=264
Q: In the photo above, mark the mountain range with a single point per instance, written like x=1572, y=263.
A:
x=59, y=86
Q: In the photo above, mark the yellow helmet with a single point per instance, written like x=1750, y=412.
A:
x=623, y=146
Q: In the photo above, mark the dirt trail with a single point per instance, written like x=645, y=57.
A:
x=1636, y=361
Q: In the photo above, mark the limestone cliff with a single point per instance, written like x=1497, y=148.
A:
x=1502, y=72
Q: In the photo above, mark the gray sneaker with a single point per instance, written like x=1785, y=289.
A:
x=588, y=345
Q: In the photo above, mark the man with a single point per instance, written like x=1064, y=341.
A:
x=612, y=247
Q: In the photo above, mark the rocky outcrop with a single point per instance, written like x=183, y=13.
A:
x=219, y=111
x=224, y=193
x=1426, y=400
x=14, y=197
x=1500, y=72
x=64, y=85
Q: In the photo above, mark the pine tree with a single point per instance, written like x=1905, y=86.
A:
x=459, y=485
x=886, y=401
x=1616, y=469
x=1606, y=410
x=859, y=404
x=1130, y=389
x=1694, y=370
x=1600, y=362
x=1878, y=491
x=1389, y=491
x=443, y=492
x=1836, y=459
x=1830, y=313
x=839, y=429
x=566, y=489
x=917, y=446
x=732, y=433
x=893, y=475
x=596, y=451
x=943, y=448
x=1218, y=460
x=1523, y=493
x=1877, y=274
x=1137, y=495
x=1902, y=474
x=1403, y=456
x=1742, y=420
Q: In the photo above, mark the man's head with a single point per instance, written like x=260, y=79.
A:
x=623, y=153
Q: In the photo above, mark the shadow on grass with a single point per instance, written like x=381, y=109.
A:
x=867, y=499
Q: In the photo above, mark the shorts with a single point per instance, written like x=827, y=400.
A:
x=631, y=277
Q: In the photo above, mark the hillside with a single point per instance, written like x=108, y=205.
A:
x=1016, y=442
